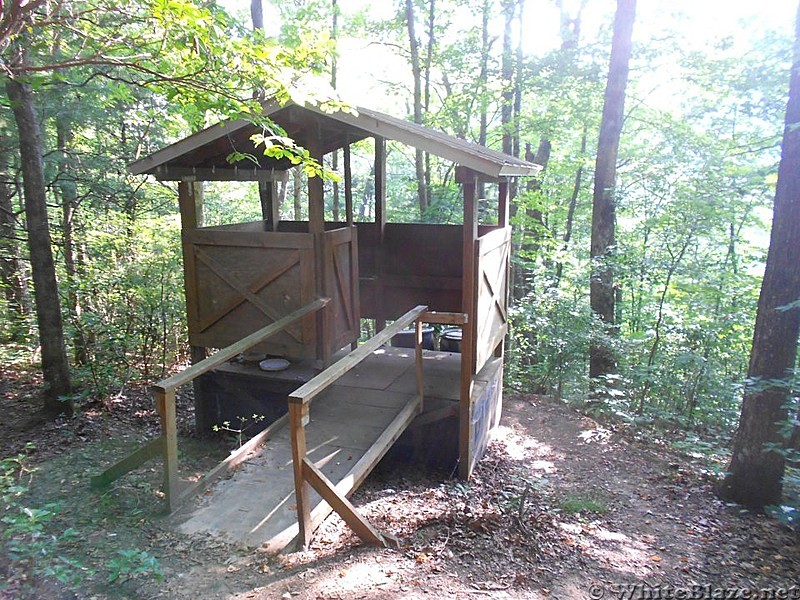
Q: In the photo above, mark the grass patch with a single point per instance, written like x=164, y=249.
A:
x=578, y=504
x=58, y=534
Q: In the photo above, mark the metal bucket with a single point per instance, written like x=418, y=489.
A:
x=450, y=341
x=405, y=338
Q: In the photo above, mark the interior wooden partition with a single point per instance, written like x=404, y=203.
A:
x=239, y=276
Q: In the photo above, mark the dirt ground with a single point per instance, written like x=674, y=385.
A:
x=560, y=507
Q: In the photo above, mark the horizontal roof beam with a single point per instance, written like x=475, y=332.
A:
x=167, y=173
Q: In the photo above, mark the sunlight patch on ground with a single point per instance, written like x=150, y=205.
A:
x=519, y=447
x=610, y=536
x=599, y=435
x=613, y=549
x=357, y=577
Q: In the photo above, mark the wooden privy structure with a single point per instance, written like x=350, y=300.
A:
x=299, y=290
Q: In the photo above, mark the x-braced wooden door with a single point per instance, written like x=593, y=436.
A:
x=238, y=282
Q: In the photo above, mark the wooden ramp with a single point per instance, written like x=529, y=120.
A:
x=340, y=423
x=352, y=424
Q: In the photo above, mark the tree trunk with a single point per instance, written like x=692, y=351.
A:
x=481, y=87
x=297, y=197
x=69, y=200
x=368, y=197
x=48, y=309
x=675, y=261
x=257, y=14
x=483, y=78
x=518, y=270
x=516, y=147
x=335, y=153
x=535, y=216
x=12, y=277
x=416, y=72
x=570, y=38
x=573, y=205
x=507, y=75
x=570, y=25
x=755, y=475
x=531, y=231
x=264, y=193
x=427, y=96
x=601, y=357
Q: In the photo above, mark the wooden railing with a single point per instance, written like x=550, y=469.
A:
x=166, y=445
x=307, y=474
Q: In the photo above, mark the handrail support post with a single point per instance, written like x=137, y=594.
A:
x=164, y=393
x=165, y=405
x=419, y=367
x=298, y=418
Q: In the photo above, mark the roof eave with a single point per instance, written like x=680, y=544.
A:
x=150, y=163
x=520, y=170
x=464, y=157
x=488, y=167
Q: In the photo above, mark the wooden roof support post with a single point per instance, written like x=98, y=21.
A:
x=380, y=226
x=316, y=199
x=469, y=181
x=380, y=186
x=270, y=203
x=316, y=226
x=348, y=208
x=348, y=182
x=190, y=202
x=502, y=203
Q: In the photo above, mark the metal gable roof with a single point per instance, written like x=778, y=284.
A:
x=207, y=151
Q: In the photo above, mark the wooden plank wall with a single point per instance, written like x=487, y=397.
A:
x=421, y=265
x=243, y=279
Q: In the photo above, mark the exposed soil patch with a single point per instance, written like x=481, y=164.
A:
x=558, y=505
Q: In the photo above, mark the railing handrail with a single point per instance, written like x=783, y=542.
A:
x=305, y=472
x=318, y=384
x=221, y=356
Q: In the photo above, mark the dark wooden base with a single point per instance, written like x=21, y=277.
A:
x=236, y=390
x=432, y=439
x=241, y=400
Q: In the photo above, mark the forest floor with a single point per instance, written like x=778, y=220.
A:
x=561, y=506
